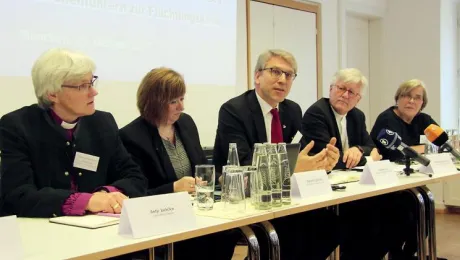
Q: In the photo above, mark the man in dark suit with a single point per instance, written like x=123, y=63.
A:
x=363, y=221
x=262, y=115
x=62, y=157
x=338, y=116
x=265, y=115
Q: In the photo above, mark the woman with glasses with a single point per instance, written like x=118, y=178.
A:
x=61, y=156
x=164, y=141
x=405, y=118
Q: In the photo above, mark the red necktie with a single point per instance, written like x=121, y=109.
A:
x=277, y=133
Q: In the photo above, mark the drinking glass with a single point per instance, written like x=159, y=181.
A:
x=204, y=186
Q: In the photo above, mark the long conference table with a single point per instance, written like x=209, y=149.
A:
x=43, y=240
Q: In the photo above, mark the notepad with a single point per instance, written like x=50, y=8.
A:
x=87, y=221
x=340, y=177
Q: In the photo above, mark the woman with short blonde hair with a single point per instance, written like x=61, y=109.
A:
x=405, y=118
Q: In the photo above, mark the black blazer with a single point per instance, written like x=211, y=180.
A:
x=36, y=156
x=241, y=121
x=144, y=143
x=319, y=125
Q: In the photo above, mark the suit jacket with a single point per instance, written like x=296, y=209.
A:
x=319, y=125
x=37, y=161
x=144, y=143
x=241, y=121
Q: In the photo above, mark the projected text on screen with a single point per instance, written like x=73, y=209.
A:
x=125, y=38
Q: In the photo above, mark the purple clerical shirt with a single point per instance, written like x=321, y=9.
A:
x=77, y=202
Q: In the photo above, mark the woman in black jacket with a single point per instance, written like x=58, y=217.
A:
x=165, y=143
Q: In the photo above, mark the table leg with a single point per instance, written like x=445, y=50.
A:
x=253, y=244
x=170, y=252
x=272, y=237
x=335, y=255
x=152, y=253
x=421, y=222
x=428, y=195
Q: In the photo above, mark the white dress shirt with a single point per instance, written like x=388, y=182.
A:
x=266, y=108
x=341, y=121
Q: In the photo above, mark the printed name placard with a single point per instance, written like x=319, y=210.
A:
x=311, y=183
x=86, y=161
x=439, y=163
x=10, y=239
x=155, y=215
x=379, y=173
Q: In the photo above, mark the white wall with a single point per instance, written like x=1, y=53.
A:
x=448, y=69
x=411, y=49
x=424, y=47
x=370, y=9
x=330, y=41
x=374, y=8
x=409, y=39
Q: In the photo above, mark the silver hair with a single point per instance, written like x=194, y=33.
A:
x=267, y=55
x=56, y=66
x=350, y=75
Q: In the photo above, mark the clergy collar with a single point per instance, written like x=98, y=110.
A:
x=62, y=123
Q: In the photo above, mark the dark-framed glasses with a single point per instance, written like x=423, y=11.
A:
x=416, y=98
x=84, y=86
x=276, y=73
x=341, y=90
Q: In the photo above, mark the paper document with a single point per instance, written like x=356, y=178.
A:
x=297, y=137
x=88, y=221
x=339, y=177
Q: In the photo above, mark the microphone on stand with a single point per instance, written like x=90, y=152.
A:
x=391, y=140
x=439, y=137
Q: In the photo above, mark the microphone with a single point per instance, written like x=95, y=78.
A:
x=439, y=137
x=391, y=140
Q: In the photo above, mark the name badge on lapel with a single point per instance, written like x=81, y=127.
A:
x=86, y=161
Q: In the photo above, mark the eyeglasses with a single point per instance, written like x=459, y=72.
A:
x=409, y=98
x=276, y=73
x=84, y=86
x=341, y=90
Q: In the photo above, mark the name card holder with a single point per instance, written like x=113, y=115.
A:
x=10, y=239
x=379, y=173
x=155, y=215
x=309, y=184
x=439, y=163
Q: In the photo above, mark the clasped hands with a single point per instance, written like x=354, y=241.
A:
x=102, y=201
x=324, y=160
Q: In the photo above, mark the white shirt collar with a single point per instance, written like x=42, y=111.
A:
x=337, y=115
x=68, y=126
x=266, y=108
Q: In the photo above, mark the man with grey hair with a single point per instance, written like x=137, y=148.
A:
x=265, y=115
x=62, y=157
x=338, y=116
x=363, y=234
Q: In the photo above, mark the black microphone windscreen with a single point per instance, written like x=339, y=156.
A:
x=389, y=139
x=442, y=139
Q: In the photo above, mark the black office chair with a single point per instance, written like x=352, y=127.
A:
x=208, y=152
